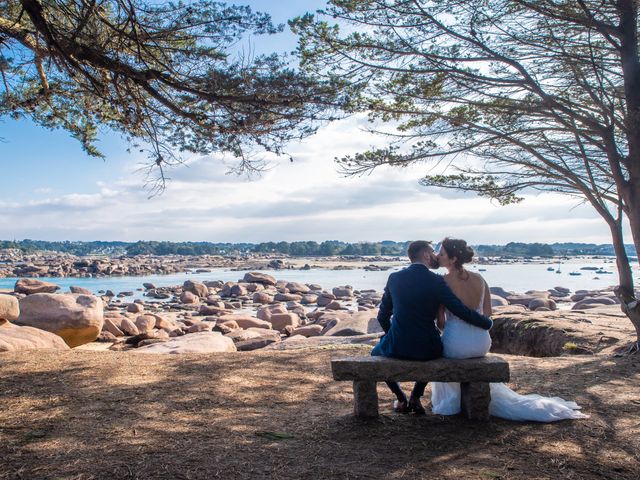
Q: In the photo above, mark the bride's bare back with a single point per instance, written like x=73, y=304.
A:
x=469, y=287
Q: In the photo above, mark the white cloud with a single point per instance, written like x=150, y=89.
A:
x=303, y=200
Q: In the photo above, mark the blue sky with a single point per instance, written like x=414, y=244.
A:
x=51, y=190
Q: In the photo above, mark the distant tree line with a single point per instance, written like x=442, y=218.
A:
x=304, y=248
x=296, y=249
x=516, y=249
x=73, y=248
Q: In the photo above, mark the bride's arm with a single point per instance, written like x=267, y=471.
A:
x=440, y=320
x=486, y=308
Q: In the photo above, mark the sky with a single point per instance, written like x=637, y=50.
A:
x=51, y=190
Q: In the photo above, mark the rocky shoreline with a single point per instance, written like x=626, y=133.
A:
x=256, y=312
x=14, y=263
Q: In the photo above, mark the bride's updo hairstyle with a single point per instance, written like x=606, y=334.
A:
x=459, y=249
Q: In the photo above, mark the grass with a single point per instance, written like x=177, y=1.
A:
x=569, y=346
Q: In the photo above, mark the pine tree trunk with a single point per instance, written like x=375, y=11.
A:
x=624, y=291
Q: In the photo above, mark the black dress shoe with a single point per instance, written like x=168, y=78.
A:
x=414, y=406
x=400, y=406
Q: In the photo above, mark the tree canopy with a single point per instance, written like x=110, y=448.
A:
x=159, y=72
x=510, y=95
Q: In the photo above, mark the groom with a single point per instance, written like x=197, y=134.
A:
x=413, y=295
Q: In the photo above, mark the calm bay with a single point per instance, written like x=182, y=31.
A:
x=517, y=277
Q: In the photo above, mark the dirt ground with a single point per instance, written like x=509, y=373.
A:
x=94, y=415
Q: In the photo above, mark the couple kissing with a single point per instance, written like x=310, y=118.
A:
x=419, y=304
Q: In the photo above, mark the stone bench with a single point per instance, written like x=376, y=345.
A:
x=474, y=375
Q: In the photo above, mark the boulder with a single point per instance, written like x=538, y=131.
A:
x=601, y=299
x=358, y=323
x=128, y=327
x=277, y=264
x=214, y=301
x=287, y=297
x=245, y=321
x=240, y=334
x=281, y=320
x=295, y=287
x=161, y=334
x=200, y=327
x=525, y=299
x=80, y=290
x=115, y=317
x=498, y=301
x=162, y=322
x=188, y=297
x=580, y=295
x=197, y=288
x=225, y=291
x=308, y=330
x=258, y=277
x=265, y=313
x=296, y=307
x=592, y=302
x=106, y=337
x=151, y=341
x=238, y=291
x=145, y=323
x=111, y=327
x=157, y=294
x=225, y=328
x=188, y=321
x=325, y=299
x=9, y=308
x=15, y=338
x=202, y=342
x=77, y=319
x=29, y=286
x=207, y=310
x=255, y=343
x=540, y=303
x=253, y=287
x=135, y=308
x=262, y=298
x=557, y=293
x=500, y=292
x=309, y=298
x=334, y=305
x=343, y=292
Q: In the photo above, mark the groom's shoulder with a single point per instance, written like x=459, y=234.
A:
x=416, y=272
x=432, y=277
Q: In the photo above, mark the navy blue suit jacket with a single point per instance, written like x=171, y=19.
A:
x=413, y=295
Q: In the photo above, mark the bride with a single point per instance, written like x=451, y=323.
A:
x=463, y=340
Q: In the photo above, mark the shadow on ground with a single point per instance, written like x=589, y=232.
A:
x=86, y=415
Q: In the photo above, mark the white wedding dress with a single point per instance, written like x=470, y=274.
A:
x=463, y=340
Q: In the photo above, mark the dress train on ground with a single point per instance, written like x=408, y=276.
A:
x=463, y=340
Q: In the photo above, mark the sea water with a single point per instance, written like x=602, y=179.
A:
x=516, y=277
